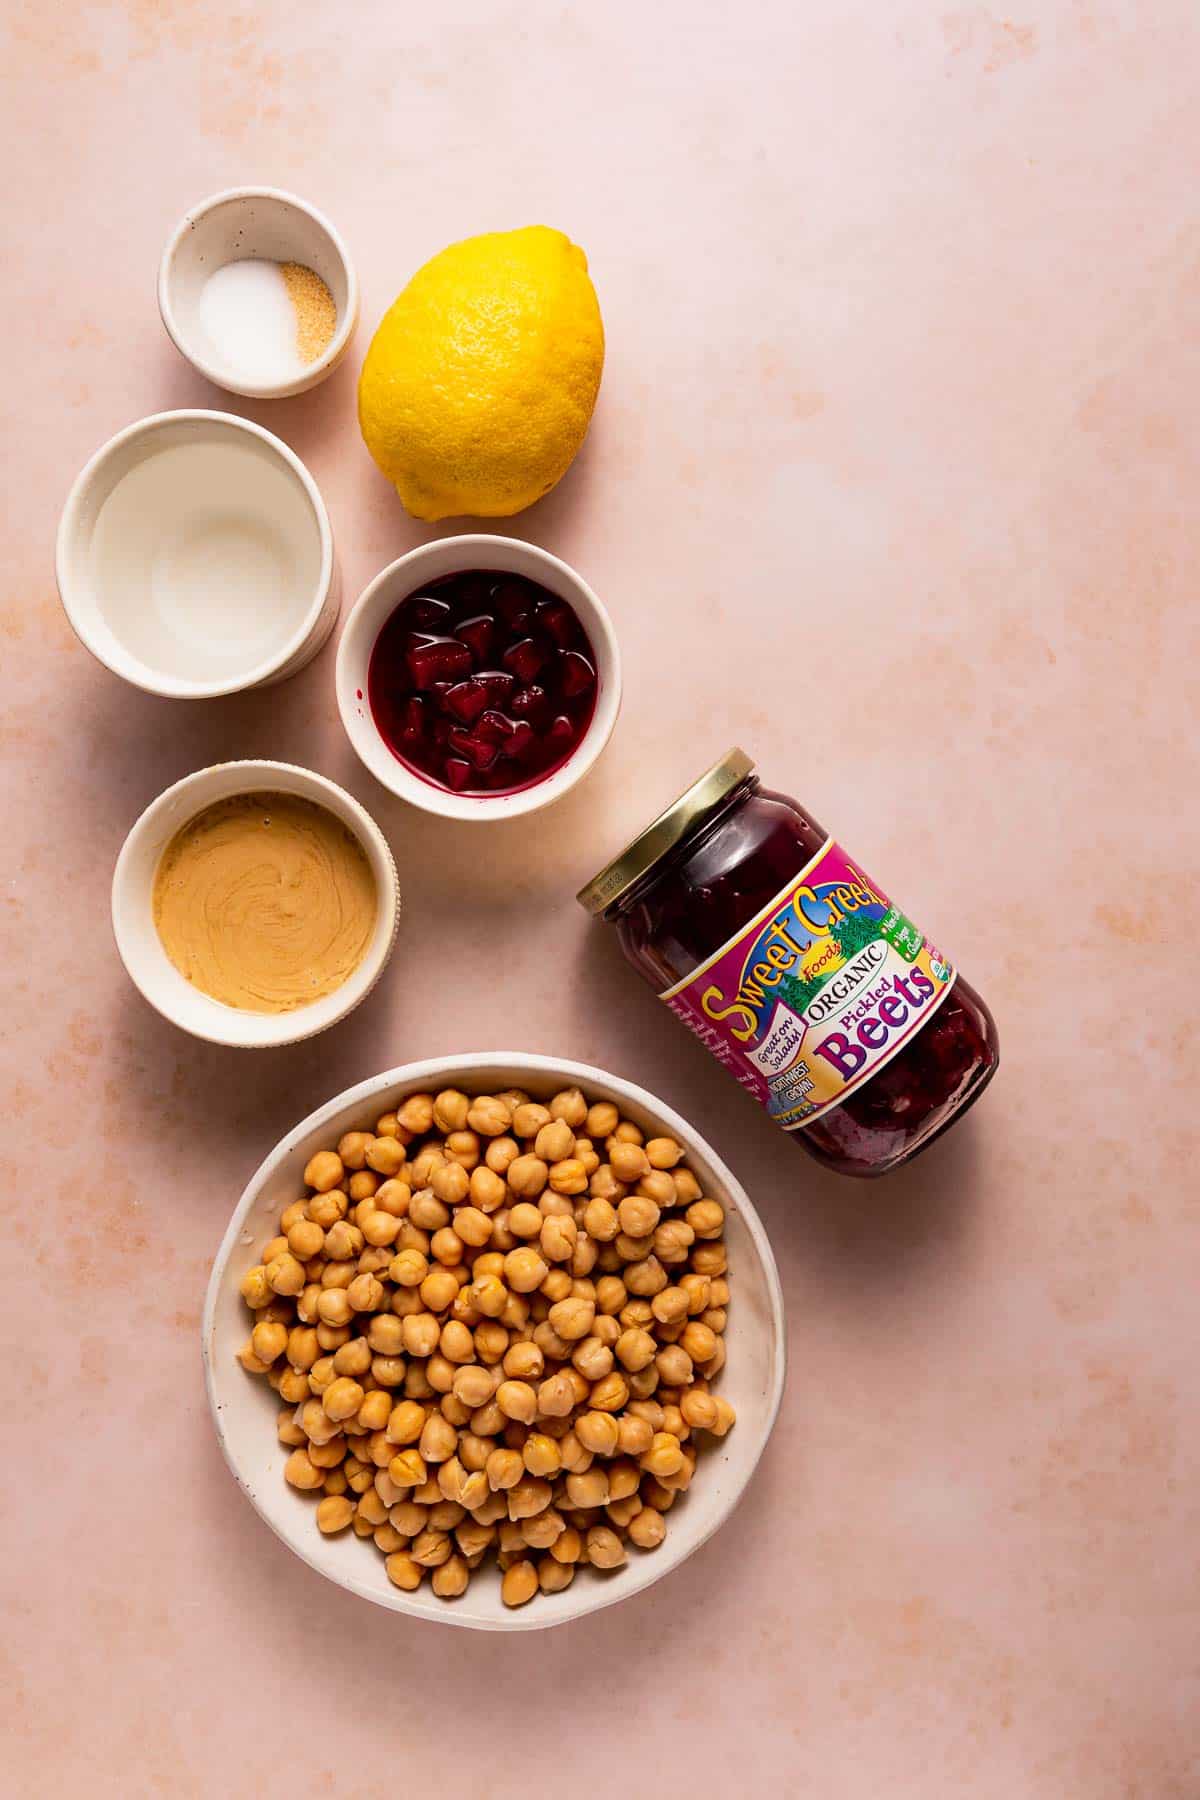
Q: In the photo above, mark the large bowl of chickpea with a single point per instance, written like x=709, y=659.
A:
x=495, y=1340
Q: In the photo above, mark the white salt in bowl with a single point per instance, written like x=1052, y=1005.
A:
x=242, y=224
x=245, y=1408
x=195, y=557
x=141, y=949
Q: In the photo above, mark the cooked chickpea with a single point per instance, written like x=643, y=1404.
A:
x=306, y=1239
x=408, y=1268
x=269, y=1340
x=416, y=1114
x=664, y=1457
x=450, y=1109
x=421, y=1169
x=601, y=1221
x=519, y=1583
x=540, y=1454
x=525, y=1220
x=473, y=1385
x=588, y=1489
x=647, y=1529
x=386, y=1155
x=699, y=1341
x=571, y=1107
x=670, y=1305
x=672, y=1241
x=635, y=1349
x=558, y=1239
x=659, y=1187
x=407, y=1469
x=333, y=1308
x=529, y=1496
x=326, y=1209
x=524, y=1270
x=597, y=1432
x=439, y=1439
x=527, y=1176
x=462, y=1147
x=489, y=1116
x=524, y=1362
x=501, y=1153
x=556, y=1396
x=709, y=1259
x=431, y=1548
x=568, y=1176
x=663, y=1152
x=487, y=1192
x=517, y=1400
x=334, y=1514
x=554, y=1141
x=646, y=1278
x=529, y=1118
x=405, y=1424
x=451, y=1185
x=504, y=1468
x=342, y=1398
x=604, y=1548
x=451, y=1579
x=593, y=1358
x=256, y=1289
x=301, y=1472
x=572, y=1319
x=706, y=1218
x=637, y=1216
x=627, y=1161
x=343, y=1242
x=324, y=1171
x=284, y=1274
x=438, y=1290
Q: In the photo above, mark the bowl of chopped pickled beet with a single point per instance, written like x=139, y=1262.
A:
x=478, y=677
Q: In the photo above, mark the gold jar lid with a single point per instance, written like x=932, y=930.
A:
x=670, y=827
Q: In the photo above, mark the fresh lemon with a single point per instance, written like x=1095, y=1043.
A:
x=479, y=384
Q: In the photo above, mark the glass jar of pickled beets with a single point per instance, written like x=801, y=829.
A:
x=798, y=972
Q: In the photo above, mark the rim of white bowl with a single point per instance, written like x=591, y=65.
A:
x=314, y=372
x=646, y=1571
x=131, y=668
x=472, y=550
x=274, y=1029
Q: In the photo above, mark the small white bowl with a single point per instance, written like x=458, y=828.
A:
x=375, y=606
x=242, y=224
x=195, y=557
x=140, y=947
x=244, y=1408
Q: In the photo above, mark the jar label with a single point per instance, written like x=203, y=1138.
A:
x=816, y=993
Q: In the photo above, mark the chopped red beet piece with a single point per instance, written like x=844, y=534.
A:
x=527, y=658
x=466, y=700
x=436, y=659
x=479, y=635
x=556, y=619
x=575, y=674
x=458, y=772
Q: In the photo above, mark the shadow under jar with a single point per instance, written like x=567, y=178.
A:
x=799, y=974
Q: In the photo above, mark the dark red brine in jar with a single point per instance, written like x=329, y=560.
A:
x=798, y=972
x=482, y=682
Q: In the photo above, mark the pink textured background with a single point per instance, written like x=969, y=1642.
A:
x=893, y=480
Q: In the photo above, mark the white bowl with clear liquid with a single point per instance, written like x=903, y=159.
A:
x=195, y=556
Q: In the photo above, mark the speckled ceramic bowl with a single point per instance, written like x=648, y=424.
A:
x=244, y=1407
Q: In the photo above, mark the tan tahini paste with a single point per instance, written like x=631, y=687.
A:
x=265, y=902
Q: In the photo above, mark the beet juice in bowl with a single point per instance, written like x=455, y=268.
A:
x=478, y=677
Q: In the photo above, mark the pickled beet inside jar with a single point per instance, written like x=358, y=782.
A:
x=798, y=972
